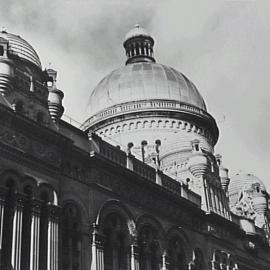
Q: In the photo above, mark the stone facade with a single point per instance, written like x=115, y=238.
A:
x=70, y=200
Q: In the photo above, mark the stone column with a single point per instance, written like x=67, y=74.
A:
x=134, y=257
x=69, y=253
x=97, y=249
x=3, y=192
x=35, y=234
x=52, y=251
x=17, y=232
x=165, y=263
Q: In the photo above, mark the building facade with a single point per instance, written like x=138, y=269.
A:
x=138, y=186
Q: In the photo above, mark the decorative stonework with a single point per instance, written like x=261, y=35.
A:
x=152, y=123
x=23, y=143
x=145, y=105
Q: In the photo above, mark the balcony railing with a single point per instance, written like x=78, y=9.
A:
x=121, y=158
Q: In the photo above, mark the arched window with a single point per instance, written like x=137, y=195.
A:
x=116, y=247
x=1, y=50
x=176, y=255
x=150, y=256
x=71, y=238
x=19, y=107
x=40, y=117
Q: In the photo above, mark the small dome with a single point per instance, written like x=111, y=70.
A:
x=137, y=31
x=244, y=182
x=144, y=81
x=18, y=47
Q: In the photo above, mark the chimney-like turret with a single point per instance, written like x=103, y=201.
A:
x=55, y=97
x=223, y=173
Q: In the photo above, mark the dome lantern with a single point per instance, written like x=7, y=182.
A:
x=139, y=46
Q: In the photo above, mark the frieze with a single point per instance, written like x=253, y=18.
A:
x=24, y=144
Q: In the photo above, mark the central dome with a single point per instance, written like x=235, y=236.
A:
x=144, y=81
x=147, y=101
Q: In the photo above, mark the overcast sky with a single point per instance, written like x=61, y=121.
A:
x=222, y=46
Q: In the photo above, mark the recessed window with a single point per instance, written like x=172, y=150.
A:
x=1, y=50
x=19, y=106
x=44, y=196
x=40, y=117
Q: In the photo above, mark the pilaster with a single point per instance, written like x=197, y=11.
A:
x=35, y=234
x=134, y=256
x=97, y=249
x=53, y=234
x=165, y=262
x=17, y=231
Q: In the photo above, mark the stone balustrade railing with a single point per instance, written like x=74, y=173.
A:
x=121, y=158
x=142, y=106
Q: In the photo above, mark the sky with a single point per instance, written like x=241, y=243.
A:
x=222, y=46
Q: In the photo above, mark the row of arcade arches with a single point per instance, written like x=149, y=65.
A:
x=26, y=207
x=121, y=236
x=156, y=248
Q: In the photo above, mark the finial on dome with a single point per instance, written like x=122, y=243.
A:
x=139, y=45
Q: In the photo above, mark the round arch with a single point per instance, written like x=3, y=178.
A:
x=11, y=175
x=179, y=233
x=115, y=206
x=29, y=186
x=71, y=199
x=45, y=192
x=149, y=220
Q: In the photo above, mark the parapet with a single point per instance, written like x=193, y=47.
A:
x=98, y=147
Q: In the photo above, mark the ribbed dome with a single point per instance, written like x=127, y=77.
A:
x=137, y=31
x=144, y=81
x=244, y=181
x=18, y=47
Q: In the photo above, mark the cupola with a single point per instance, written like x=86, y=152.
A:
x=139, y=46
